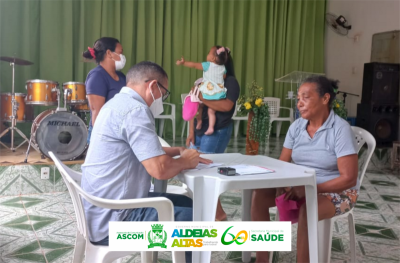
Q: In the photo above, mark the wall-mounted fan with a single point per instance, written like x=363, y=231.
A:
x=337, y=24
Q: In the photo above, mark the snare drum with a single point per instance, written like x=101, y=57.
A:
x=78, y=94
x=41, y=92
x=63, y=133
x=24, y=113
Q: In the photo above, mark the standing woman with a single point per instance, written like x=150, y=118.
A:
x=217, y=141
x=105, y=80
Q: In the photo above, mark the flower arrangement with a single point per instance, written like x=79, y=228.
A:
x=339, y=109
x=253, y=104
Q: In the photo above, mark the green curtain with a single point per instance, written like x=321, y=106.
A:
x=268, y=39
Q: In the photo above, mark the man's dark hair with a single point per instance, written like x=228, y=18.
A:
x=145, y=70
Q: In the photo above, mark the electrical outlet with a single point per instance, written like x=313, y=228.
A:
x=45, y=173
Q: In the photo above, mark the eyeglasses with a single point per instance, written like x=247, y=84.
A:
x=166, y=94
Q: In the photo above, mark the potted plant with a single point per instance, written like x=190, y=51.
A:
x=339, y=109
x=258, y=124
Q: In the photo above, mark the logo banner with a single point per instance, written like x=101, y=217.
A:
x=200, y=236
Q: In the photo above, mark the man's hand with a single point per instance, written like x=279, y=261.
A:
x=181, y=149
x=191, y=157
x=180, y=62
x=201, y=160
x=205, y=161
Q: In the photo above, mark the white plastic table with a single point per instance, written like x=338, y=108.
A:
x=206, y=186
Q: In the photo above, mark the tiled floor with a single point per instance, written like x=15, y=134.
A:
x=41, y=228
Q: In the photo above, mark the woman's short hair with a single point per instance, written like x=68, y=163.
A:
x=100, y=48
x=324, y=85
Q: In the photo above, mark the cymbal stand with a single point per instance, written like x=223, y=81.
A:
x=13, y=127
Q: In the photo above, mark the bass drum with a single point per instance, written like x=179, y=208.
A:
x=63, y=133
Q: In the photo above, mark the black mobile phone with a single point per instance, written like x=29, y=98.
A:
x=227, y=171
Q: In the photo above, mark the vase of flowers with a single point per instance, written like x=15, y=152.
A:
x=258, y=124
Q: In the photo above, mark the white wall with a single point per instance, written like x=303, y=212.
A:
x=345, y=57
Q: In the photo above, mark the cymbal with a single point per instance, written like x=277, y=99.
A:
x=17, y=61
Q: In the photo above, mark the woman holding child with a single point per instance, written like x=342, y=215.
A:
x=215, y=140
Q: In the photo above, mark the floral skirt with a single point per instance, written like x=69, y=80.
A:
x=343, y=201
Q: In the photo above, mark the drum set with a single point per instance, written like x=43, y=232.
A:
x=62, y=130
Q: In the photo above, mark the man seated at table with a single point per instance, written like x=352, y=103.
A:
x=125, y=151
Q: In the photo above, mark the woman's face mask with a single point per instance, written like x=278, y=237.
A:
x=120, y=64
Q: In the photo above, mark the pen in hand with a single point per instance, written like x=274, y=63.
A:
x=192, y=146
x=202, y=160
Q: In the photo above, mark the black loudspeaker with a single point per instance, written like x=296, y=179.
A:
x=380, y=83
x=381, y=120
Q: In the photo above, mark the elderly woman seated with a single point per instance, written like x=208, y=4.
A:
x=325, y=142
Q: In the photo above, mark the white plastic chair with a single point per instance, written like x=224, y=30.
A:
x=325, y=227
x=163, y=117
x=183, y=96
x=172, y=189
x=102, y=254
x=236, y=120
x=274, y=105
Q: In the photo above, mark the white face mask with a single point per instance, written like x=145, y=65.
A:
x=120, y=64
x=157, y=106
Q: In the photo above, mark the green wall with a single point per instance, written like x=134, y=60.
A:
x=268, y=39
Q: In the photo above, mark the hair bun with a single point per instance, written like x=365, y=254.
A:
x=86, y=54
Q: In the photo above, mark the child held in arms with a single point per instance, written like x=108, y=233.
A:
x=211, y=85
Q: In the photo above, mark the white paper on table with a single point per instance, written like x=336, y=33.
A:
x=244, y=169
x=202, y=166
